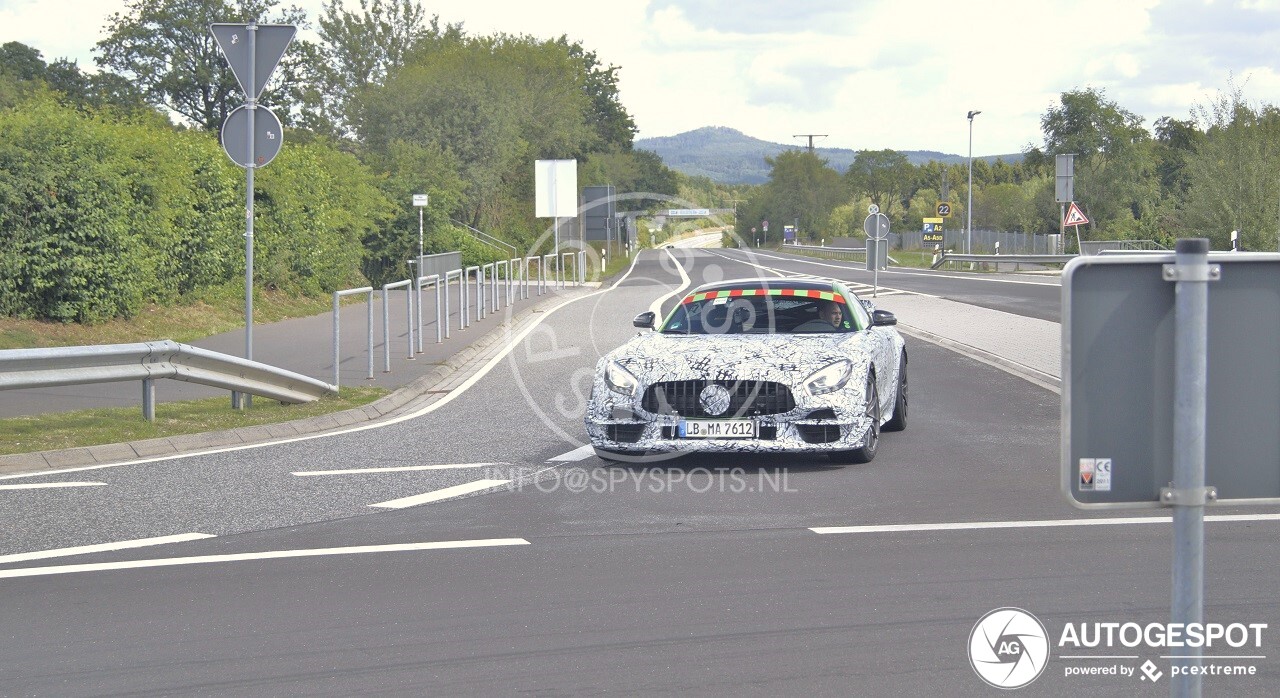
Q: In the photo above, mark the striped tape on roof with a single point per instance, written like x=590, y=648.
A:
x=739, y=292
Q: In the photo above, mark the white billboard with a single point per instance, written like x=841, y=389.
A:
x=556, y=182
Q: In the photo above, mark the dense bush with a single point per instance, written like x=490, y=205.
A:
x=100, y=214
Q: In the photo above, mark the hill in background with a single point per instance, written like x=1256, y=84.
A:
x=729, y=156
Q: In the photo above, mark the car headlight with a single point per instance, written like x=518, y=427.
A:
x=619, y=379
x=829, y=378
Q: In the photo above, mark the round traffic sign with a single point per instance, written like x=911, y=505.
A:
x=268, y=136
x=876, y=226
x=873, y=209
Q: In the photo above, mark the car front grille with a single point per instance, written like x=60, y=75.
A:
x=746, y=398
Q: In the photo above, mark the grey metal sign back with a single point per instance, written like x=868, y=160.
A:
x=268, y=136
x=1064, y=190
x=1118, y=380
x=271, y=42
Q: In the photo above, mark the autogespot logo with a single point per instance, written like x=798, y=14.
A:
x=1009, y=648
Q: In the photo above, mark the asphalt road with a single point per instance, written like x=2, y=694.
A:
x=701, y=575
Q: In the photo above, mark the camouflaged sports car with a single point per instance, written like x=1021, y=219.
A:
x=754, y=365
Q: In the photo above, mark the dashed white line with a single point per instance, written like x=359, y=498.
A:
x=103, y=547
x=269, y=555
x=579, y=453
x=50, y=485
x=394, y=469
x=1047, y=523
x=437, y=495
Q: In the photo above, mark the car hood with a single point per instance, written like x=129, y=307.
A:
x=653, y=357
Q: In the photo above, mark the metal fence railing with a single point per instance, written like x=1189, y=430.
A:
x=481, y=289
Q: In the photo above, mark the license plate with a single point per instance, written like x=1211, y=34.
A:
x=717, y=429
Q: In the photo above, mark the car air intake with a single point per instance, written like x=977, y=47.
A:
x=746, y=398
x=819, y=433
x=624, y=433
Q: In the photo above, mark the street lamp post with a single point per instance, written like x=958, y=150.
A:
x=968, y=209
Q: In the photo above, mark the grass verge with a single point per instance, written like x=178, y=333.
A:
x=120, y=424
x=184, y=323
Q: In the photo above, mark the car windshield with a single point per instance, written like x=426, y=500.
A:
x=761, y=311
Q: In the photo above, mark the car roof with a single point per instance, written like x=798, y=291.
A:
x=758, y=282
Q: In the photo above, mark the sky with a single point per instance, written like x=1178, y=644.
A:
x=868, y=74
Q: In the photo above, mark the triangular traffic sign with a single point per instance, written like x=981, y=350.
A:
x=1074, y=216
x=270, y=42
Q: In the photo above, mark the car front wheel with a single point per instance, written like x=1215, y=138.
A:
x=871, y=441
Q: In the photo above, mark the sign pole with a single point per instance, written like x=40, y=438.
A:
x=245, y=400
x=1188, y=495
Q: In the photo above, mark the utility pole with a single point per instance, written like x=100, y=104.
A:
x=968, y=209
x=810, y=136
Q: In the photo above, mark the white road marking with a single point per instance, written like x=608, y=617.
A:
x=579, y=453
x=43, y=485
x=656, y=306
x=396, y=469
x=437, y=495
x=103, y=547
x=513, y=342
x=269, y=555
x=1048, y=523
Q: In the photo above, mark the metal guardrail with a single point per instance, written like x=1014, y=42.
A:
x=1006, y=258
x=829, y=252
x=841, y=253
x=148, y=361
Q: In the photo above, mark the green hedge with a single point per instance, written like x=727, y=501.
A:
x=101, y=214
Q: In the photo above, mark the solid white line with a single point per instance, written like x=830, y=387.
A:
x=269, y=555
x=43, y=485
x=579, y=453
x=437, y=495
x=396, y=469
x=104, y=547
x=1048, y=523
x=656, y=306
x=448, y=397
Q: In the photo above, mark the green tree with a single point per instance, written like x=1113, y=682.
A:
x=1115, y=182
x=1001, y=207
x=886, y=176
x=165, y=48
x=1234, y=174
x=801, y=189
x=1176, y=140
x=496, y=105
x=359, y=49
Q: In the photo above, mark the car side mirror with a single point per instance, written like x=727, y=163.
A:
x=644, y=319
x=883, y=318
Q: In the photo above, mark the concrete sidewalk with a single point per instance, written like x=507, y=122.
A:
x=1025, y=346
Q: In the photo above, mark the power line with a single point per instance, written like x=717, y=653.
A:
x=810, y=136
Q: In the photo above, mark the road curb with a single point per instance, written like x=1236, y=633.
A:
x=419, y=393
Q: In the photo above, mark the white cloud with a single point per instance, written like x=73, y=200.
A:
x=872, y=74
